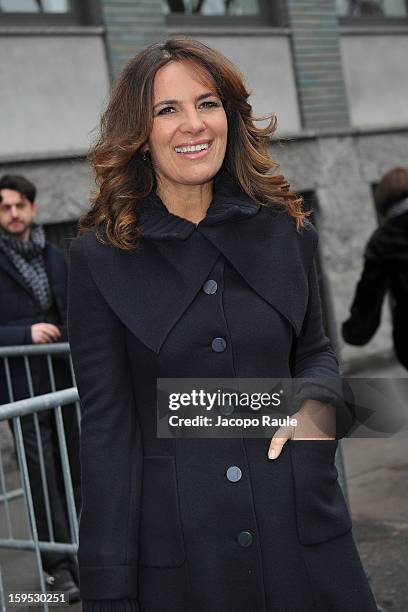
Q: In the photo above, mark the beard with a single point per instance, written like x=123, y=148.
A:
x=18, y=230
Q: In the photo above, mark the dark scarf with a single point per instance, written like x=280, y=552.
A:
x=28, y=258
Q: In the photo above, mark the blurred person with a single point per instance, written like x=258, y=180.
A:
x=385, y=269
x=195, y=261
x=33, y=304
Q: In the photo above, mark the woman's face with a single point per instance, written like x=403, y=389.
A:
x=187, y=113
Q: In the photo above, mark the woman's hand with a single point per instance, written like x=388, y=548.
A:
x=315, y=421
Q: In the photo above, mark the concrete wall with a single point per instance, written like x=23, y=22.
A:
x=266, y=63
x=376, y=76
x=52, y=91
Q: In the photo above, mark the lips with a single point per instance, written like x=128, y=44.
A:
x=190, y=152
x=192, y=148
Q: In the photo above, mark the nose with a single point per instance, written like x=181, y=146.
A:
x=193, y=123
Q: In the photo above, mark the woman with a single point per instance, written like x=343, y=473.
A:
x=385, y=268
x=193, y=263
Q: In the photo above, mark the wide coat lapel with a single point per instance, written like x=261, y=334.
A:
x=150, y=288
x=272, y=257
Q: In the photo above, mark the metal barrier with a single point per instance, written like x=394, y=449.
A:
x=14, y=412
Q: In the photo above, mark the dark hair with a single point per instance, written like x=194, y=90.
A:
x=392, y=188
x=19, y=183
x=122, y=176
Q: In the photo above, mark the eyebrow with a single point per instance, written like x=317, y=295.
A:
x=208, y=94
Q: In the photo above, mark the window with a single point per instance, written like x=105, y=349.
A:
x=212, y=7
x=45, y=12
x=34, y=6
x=219, y=12
x=372, y=9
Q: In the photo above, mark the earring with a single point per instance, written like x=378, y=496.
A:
x=146, y=155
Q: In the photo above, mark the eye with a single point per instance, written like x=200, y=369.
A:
x=166, y=110
x=211, y=104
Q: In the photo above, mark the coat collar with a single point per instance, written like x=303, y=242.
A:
x=228, y=202
x=150, y=289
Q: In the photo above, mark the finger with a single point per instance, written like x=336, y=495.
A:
x=51, y=329
x=46, y=337
x=280, y=438
x=56, y=333
x=52, y=332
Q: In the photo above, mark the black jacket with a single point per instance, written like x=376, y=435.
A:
x=385, y=269
x=162, y=526
x=19, y=310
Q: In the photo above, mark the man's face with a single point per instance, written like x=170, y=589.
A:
x=16, y=213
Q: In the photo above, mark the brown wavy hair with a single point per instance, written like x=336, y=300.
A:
x=123, y=177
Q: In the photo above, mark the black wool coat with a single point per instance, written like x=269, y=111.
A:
x=385, y=269
x=162, y=525
x=19, y=311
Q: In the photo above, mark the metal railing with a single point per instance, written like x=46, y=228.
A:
x=17, y=413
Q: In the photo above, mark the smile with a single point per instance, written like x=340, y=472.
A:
x=193, y=148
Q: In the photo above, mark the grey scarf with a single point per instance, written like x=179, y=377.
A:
x=399, y=208
x=27, y=257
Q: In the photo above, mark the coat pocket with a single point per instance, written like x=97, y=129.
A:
x=161, y=535
x=321, y=510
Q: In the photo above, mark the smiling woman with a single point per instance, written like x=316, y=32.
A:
x=169, y=96
x=196, y=261
x=188, y=138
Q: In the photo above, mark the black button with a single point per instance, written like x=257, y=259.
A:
x=218, y=345
x=245, y=539
x=210, y=286
x=226, y=409
x=233, y=473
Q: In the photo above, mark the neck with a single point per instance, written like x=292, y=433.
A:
x=25, y=236
x=188, y=201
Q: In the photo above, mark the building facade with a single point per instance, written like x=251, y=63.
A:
x=334, y=72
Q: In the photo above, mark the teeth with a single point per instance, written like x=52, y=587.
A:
x=193, y=149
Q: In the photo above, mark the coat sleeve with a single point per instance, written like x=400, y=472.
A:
x=314, y=358
x=365, y=312
x=11, y=335
x=111, y=452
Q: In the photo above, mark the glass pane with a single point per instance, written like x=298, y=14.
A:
x=211, y=7
x=371, y=8
x=56, y=6
x=34, y=6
